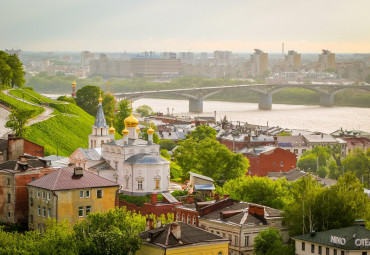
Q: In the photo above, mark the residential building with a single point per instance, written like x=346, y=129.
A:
x=68, y=193
x=326, y=60
x=265, y=159
x=293, y=59
x=259, y=62
x=86, y=56
x=350, y=241
x=201, y=183
x=356, y=143
x=14, y=175
x=240, y=222
x=296, y=144
x=180, y=238
x=321, y=139
x=15, y=147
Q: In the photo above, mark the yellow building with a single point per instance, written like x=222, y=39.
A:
x=68, y=193
x=180, y=238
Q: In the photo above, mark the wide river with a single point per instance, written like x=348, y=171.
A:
x=313, y=118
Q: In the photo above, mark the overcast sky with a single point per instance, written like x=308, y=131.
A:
x=185, y=25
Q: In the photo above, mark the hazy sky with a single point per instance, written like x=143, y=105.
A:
x=185, y=25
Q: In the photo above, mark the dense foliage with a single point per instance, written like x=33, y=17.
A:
x=11, y=70
x=123, y=111
x=15, y=103
x=17, y=121
x=358, y=163
x=202, y=153
x=144, y=110
x=87, y=98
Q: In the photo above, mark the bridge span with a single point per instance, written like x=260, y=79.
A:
x=197, y=95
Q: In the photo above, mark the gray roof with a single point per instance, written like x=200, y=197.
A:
x=291, y=175
x=145, y=158
x=201, y=176
x=352, y=238
x=92, y=154
x=100, y=118
x=291, y=141
x=320, y=138
x=102, y=166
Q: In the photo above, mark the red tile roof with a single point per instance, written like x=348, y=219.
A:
x=63, y=179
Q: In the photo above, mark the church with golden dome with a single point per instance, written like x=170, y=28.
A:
x=133, y=163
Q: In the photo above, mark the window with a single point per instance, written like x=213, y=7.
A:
x=281, y=163
x=81, y=194
x=157, y=182
x=31, y=218
x=31, y=201
x=88, y=210
x=320, y=250
x=273, y=163
x=38, y=193
x=246, y=240
x=44, y=212
x=43, y=194
x=126, y=183
x=295, y=151
x=9, y=198
x=230, y=237
x=99, y=193
x=139, y=184
x=8, y=214
x=312, y=248
x=38, y=210
x=341, y=252
x=8, y=181
x=303, y=151
x=194, y=220
x=39, y=227
x=33, y=178
x=364, y=253
x=183, y=218
x=335, y=251
x=236, y=241
x=87, y=193
x=327, y=251
x=303, y=246
x=80, y=211
x=48, y=196
x=115, y=165
x=223, y=235
x=189, y=219
x=178, y=217
x=212, y=231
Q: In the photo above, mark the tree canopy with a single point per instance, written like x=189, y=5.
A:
x=266, y=240
x=123, y=111
x=359, y=164
x=17, y=121
x=11, y=70
x=87, y=98
x=144, y=110
x=109, y=105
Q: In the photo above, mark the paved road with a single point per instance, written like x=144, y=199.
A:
x=4, y=115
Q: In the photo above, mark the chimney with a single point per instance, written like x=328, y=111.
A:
x=149, y=224
x=190, y=199
x=78, y=171
x=251, y=209
x=260, y=210
x=226, y=196
x=154, y=198
x=176, y=230
x=216, y=197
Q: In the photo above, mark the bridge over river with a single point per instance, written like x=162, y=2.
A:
x=265, y=92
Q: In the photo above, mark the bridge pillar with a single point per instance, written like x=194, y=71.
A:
x=265, y=102
x=196, y=105
x=327, y=100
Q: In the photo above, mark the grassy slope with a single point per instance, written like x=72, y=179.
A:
x=14, y=103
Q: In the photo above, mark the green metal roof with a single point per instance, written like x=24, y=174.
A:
x=350, y=238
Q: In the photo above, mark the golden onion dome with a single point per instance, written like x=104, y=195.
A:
x=74, y=84
x=131, y=121
x=100, y=99
x=125, y=131
x=150, y=130
x=112, y=130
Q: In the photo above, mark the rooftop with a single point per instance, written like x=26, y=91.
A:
x=145, y=158
x=201, y=176
x=64, y=179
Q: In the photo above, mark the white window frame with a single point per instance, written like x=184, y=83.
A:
x=88, y=209
x=102, y=193
x=48, y=196
x=38, y=210
x=81, y=194
x=87, y=194
x=80, y=210
x=43, y=211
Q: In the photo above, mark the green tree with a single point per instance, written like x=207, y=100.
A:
x=167, y=144
x=288, y=133
x=359, y=164
x=113, y=232
x=202, y=132
x=333, y=170
x=144, y=110
x=17, y=121
x=210, y=158
x=144, y=133
x=123, y=111
x=66, y=99
x=266, y=240
x=322, y=171
x=17, y=71
x=307, y=163
x=109, y=106
x=87, y=98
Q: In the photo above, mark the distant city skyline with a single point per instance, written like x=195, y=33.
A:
x=240, y=26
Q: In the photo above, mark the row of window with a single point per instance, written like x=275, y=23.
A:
x=140, y=184
x=43, y=212
x=327, y=250
x=84, y=211
x=188, y=219
x=295, y=151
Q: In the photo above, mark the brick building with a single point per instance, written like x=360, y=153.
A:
x=14, y=175
x=265, y=159
x=15, y=147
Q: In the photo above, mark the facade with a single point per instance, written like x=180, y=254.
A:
x=236, y=221
x=327, y=60
x=350, y=241
x=296, y=144
x=259, y=62
x=265, y=159
x=14, y=175
x=179, y=238
x=17, y=146
x=293, y=59
x=356, y=143
x=201, y=183
x=68, y=193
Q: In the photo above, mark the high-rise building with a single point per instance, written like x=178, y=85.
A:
x=86, y=56
x=293, y=59
x=259, y=62
x=327, y=60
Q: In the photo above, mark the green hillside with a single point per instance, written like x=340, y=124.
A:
x=61, y=134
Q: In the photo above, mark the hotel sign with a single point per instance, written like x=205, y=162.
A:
x=342, y=241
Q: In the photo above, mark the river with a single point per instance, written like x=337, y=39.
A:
x=313, y=118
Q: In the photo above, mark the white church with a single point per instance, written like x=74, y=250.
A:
x=131, y=162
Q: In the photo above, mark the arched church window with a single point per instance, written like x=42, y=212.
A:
x=126, y=181
x=140, y=181
x=101, y=131
x=157, y=181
